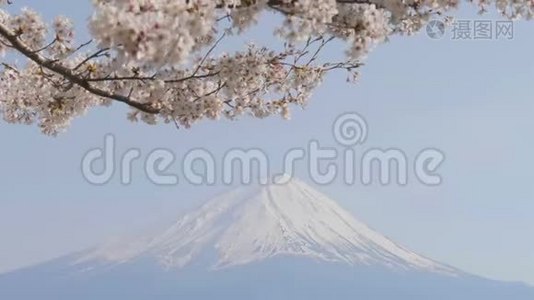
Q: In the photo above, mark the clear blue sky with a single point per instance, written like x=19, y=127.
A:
x=471, y=99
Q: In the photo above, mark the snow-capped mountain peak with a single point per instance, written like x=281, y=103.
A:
x=246, y=226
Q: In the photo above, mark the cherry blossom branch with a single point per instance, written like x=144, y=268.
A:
x=144, y=56
x=68, y=73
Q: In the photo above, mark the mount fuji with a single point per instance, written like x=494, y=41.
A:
x=271, y=242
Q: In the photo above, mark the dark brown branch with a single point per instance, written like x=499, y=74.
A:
x=280, y=3
x=69, y=74
x=144, y=78
x=92, y=56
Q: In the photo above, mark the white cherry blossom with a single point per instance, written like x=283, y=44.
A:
x=162, y=58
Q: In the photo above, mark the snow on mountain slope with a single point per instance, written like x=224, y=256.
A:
x=247, y=226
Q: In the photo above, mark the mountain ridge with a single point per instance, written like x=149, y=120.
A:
x=244, y=226
x=271, y=242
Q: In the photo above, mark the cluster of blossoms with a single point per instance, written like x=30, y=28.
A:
x=160, y=56
x=154, y=33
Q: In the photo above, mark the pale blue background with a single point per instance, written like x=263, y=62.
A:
x=472, y=99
